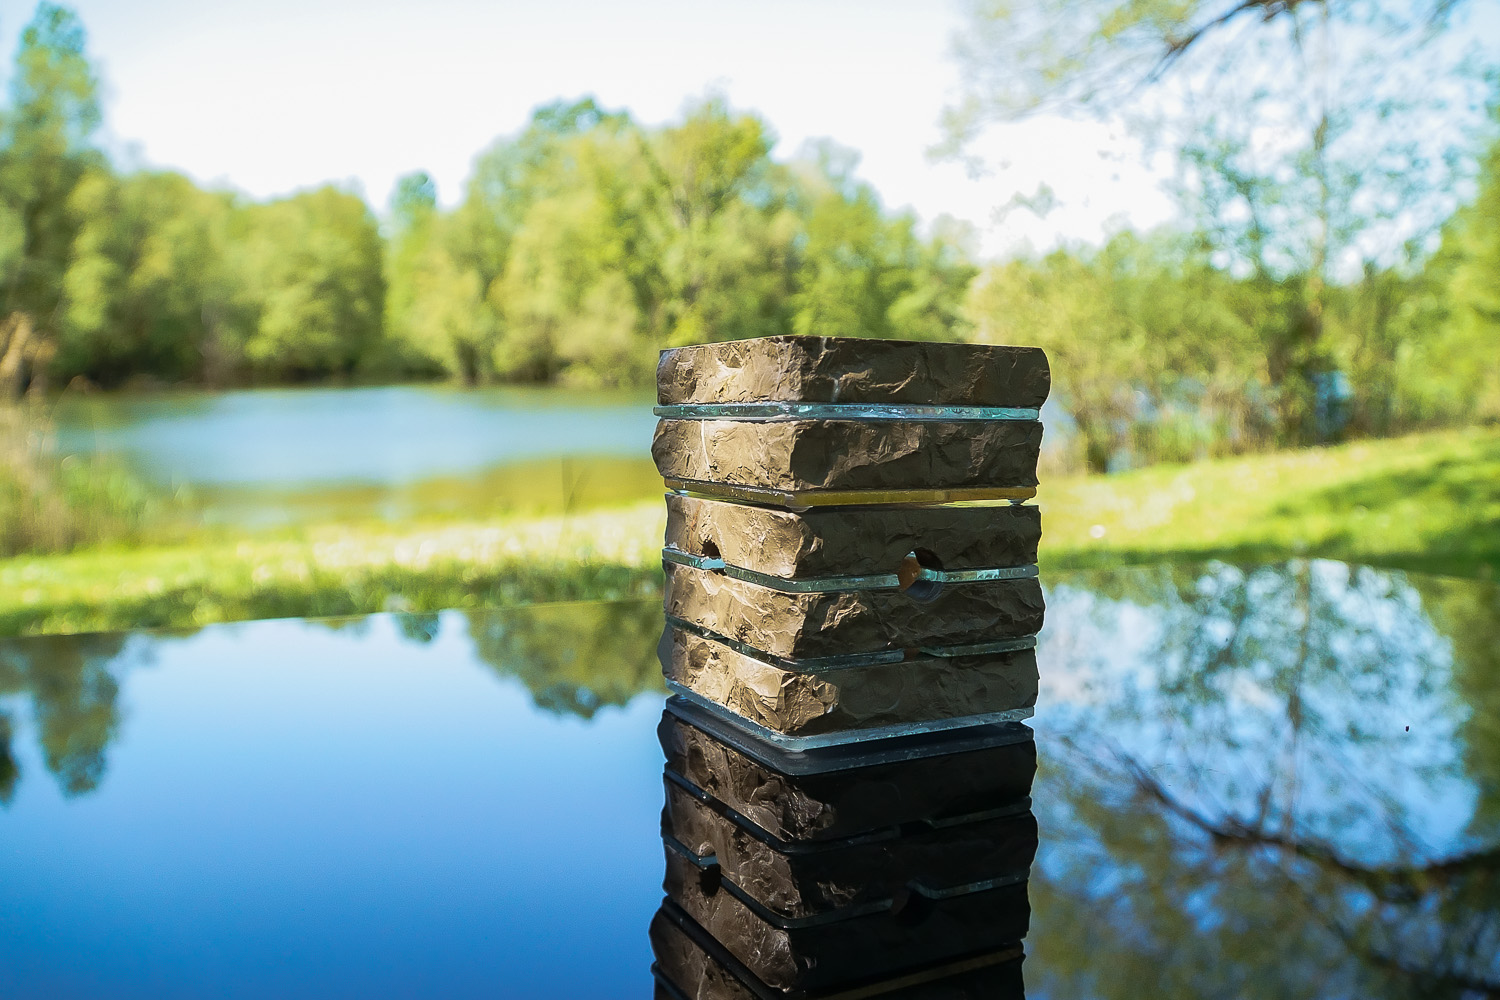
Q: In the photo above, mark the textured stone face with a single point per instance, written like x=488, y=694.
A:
x=802, y=455
x=875, y=945
x=803, y=626
x=698, y=968
x=851, y=541
x=853, y=370
x=923, y=690
x=846, y=874
x=845, y=803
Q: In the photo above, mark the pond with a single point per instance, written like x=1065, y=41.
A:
x=267, y=455
x=1278, y=781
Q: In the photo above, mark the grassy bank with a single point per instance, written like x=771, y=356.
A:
x=1427, y=502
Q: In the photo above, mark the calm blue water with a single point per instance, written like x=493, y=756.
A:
x=386, y=436
x=1280, y=781
x=289, y=810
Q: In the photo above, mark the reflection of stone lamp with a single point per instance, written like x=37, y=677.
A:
x=852, y=603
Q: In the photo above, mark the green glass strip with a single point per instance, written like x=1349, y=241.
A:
x=846, y=736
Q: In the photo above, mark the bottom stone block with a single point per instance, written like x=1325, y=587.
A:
x=691, y=965
x=819, y=954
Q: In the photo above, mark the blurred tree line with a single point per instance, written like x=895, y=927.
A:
x=581, y=247
x=1325, y=282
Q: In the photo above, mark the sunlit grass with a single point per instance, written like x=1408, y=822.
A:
x=1427, y=502
x=337, y=570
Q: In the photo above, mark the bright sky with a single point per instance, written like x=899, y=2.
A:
x=271, y=95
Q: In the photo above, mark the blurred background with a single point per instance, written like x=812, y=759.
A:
x=322, y=308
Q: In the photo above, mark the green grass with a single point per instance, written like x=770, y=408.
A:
x=1426, y=502
x=336, y=570
x=51, y=505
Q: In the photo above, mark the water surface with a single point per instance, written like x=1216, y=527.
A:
x=269, y=454
x=1278, y=781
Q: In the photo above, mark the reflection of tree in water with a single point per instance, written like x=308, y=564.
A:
x=72, y=690
x=1266, y=783
x=574, y=658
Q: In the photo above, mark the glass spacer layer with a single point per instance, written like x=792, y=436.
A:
x=773, y=410
x=818, y=664
x=800, y=500
x=844, y=737
x=827, y=584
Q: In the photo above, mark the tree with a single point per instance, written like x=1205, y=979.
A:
x=1314, y=137
x=72, y=684
x=310, y=269
x=864, y=274
x=1151, y=346
x=144, y=288
x=45, y=152
x=720, y=212
x=436, y=319
x=1470, y=349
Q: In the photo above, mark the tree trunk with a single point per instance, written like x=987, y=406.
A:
x=16, y=334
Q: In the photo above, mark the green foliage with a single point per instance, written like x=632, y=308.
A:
x=45, y=152
x=47, y=505
x=1306, y=150
x=311, y=267
x=1470, y=347
x=1152, y=348
x=145, y=289
x=587, y=243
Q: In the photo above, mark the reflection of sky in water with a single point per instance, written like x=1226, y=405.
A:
x=294, y=811
x=1116, y=674
x=384, y=436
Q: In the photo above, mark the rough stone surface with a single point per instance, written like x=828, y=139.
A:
x=846, y=803
x=698, y=968
x=801, y=626
x=852, y=541
x=875, y=945
x=838, y=875
x=922, y=690
x=850, y=454
x=853, y=370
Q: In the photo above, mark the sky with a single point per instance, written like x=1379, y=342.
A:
x=274, y=95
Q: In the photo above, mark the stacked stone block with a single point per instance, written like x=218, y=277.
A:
x=852, y=603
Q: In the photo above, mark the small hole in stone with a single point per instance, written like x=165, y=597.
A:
x=910, y=579
x=710, y=877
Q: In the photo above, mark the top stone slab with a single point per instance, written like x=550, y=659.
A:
x=852, y=370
